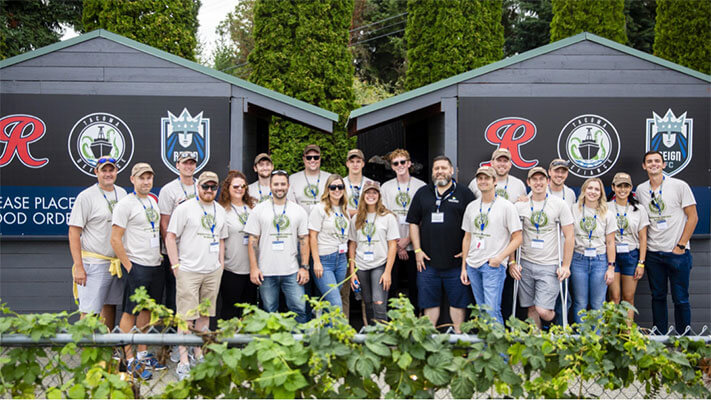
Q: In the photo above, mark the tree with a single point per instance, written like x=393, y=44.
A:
x=640, y=16
x=445, y=38
x=683, y=33
x=28, y=25
x=170, y=25
x=301, y=50
x=236, y=40
x=603, y=18
x=528, y=24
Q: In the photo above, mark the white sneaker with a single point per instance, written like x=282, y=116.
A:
x=175, y=354
x=183, y=371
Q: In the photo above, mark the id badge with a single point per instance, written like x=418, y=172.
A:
x=214, y=247
x=590, y=252
x=402, y=219
x=369, y=256
x=662, y=224
x=342, y=248
x=537, y=243
x=155, y=242
x=278, y=245
x=245, y=239
x=622, y=248
x=479, y=244
x=437, y=217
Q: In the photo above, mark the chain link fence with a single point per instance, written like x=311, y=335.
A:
x=160, y=343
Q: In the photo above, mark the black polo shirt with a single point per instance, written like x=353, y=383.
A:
x=441, y=241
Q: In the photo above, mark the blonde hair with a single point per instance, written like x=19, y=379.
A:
x=362, y=212
x=343, y=202
x=601, y=208
x=399, y=153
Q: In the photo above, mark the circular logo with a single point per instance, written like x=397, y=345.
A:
x=403, y=199
x=341, y=222
x=100, y=135
x=352, y=201
x=502, y=193
x=622, y=222
x=591, y=143
x=243, y=218
x=152, y=215
x=282, y=221
x=539, y=217
x=368, y=229
x=588, y=224
x=265, y=197
x=207, y=221
x=311, y=191
x=481, y=219
x=657, y=206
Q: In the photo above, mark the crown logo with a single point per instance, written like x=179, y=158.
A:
x=185, y=122
x=669, y=124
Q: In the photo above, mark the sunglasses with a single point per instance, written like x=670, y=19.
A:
x=280, y=172
x=312, y=158
x=207, y=187
x=106, y=159
x=396, y=163
x=336, y=187
x=242, y=186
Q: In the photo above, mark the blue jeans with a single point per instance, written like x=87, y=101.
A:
x=334, y=271
x=487, y=285
x=587, y=277
x=674, y=268
x=293, y=293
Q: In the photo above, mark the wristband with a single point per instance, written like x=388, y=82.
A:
x=351, y=259
x=640, y=264
x=418, y=250
x=176, y=266
x=511, y=262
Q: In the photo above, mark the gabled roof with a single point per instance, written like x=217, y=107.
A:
x=519, y=58
x=176, y=60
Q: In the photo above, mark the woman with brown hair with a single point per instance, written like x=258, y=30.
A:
x=235, y=286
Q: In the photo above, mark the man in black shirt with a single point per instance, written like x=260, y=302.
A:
x=435, y=219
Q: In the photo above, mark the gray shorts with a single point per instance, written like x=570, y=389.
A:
x=101, y=288
x=539, y=285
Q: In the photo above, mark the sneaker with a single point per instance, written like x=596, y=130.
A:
x=139, y=369
x=175, y=354
x=183, y=371
x=151, y=361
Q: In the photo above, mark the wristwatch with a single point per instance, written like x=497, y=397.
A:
x=681, y=246
x=306, y=267
x=611, y=264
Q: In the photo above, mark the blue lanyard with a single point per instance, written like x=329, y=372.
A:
x=506, y=185
x=239, y=216
x=404, y=204
x=343, y=230
x=551, y=191
x=439, y=200
x=111, y=208
x=313, y=193
x=370, y=237
x=538, y=220
x=184, y=192
x=591, y=230
x=483, y=223
x=622, y=230
x=259, y=188
x=356, y=193
x=145, y=211
x=276, y=220
x=651, y=195
x=214, y=217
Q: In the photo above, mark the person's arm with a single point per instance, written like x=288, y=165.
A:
x=163, y=226
x=386, y=277
x=75, y=250
x=302, y=277
x=351, y=262
x=313, y=243
x=568, y=248
x=639, y=270
x=514, y=243
x=692, y=218
x=222, y=254
x=466, y=242
x=255, y=274
x=611, y=253
x=420, y=255
x=171, y=246
x=117, y=244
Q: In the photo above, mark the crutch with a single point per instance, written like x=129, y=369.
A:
x=564, y=283
x=515, y=288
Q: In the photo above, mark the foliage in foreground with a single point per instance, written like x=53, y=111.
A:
x=406, y=353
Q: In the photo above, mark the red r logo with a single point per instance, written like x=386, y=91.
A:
x=17, y=132
x=511, y=133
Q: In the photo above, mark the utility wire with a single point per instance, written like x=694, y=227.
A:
x=377, y=22
x=380, y=29
x=377, y=37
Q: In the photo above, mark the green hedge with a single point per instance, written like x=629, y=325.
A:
x=604, y=18
x=683, y=33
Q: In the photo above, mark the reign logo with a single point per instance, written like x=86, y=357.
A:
x=100, y=135
x=672, y=137
x=591, y=143
x=184, y=133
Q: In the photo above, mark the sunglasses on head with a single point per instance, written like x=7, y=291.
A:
x=336, y=187
x=396, y=163
x=106, y=159
x=207, y=186
x=241, y=186
x=312, y=158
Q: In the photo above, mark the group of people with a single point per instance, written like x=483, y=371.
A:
x=283, y=232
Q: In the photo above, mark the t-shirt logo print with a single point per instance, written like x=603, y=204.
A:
x=588, y=224
x=311, y=191
x=656, y=206
x=369, y=229
x=341, y=222
x=540, y=218
x=403, y=199
x=622, y=222
x=502, y=193
x=281, y=220
x=243, y=218
x=207, y=221
x=112, y=204
x=481, y=219
x=352, y=200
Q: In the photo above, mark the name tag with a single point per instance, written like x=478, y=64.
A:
x=622, y=248
x=437, y=217
x=342, y=248
x=215, y=247
x=369, y=256
x=662, y=224
x=402, y=219
x=155, y=242
x=537, y=243
x=590, y=252
x=278, y=245
x=479, y=244
x=245, y=239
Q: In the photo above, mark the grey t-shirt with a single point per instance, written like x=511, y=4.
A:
x=630, y=221
x=510, y=189
x=373, y=253
x=332, y=228
x=174, y=193
x=500, y=221
x=601, y=225
x=199, y=227
x=140, y=218
x=353, y=191
x=259, y=192
x=567, y=194
x=676, y=194
x=540, y=246
x=236, y=254
x=397, y=198
x=307, y=192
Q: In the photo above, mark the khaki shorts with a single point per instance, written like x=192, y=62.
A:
x=538, y=286
x=192, y=288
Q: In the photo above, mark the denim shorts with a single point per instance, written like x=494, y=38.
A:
x=626, y=263
x=430, y=283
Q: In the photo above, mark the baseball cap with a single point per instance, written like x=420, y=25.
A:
x=208, y=176
x=311, y=147
x=558, y=163
x=537, y=170
x=355, y=153
x=140, y=168
x=105, y=161
x=501, y=152
x=371, y=185
x=187, y=155
x=622, y=177
x=262, y=156
x=486, y=170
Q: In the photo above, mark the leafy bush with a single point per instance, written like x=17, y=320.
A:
x=683, y=33
x=604, y=18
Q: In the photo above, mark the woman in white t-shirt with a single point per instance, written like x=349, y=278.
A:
x=372, y=249
x=235, y=286
x=630, y=241
x=328, y=235
x=593, y=266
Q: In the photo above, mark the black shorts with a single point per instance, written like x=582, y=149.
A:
x=152, y=278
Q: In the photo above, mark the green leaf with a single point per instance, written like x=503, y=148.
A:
x=54, y=393
x=77, y=392
x=437, y=376
x=377, y=348
x=461, y=388
x=404, y=361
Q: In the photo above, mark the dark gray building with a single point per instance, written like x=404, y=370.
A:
x=587, y=99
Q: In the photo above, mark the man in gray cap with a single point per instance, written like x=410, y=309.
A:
x=355, y=161
x=306, y=187
x=263, y=166
x=507, y=186
x=558, y=172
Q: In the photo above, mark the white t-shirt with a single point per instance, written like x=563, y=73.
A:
x=92, y=213
x=307, y=192
x=510, y=188
x=200, y=228
x=630, y=221
x=277, y=249
x=236, y=254
x=259, y=192
x=174, y=193
x=374, y=253
x=141, y=219
x=555, y=210
x=600, y=226
x=332, y=229
x=566, y=194
x=676, y=194
x=353, y=191
x=398, y=198
x=499, y=223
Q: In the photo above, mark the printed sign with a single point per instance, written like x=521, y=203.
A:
x=591, y=143
x=673, y=137
x=100, y=135
x=17, y=132
x=184, y=133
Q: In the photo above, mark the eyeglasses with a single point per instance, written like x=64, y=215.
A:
x=336, y=187
x=105, y=159
x=396, y=163
x=312, y=158
x=207, y=187
x=242, y=186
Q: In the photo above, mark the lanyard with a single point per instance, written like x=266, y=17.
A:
x=145, y=211
x=356, y=191
x=313, y=193
x=439, y=200
x=214, y=217
x=404, y=203
x=184, y=192
x=367, y=232
x=506, y=185
x=651, y=194
x=483, y=220
x=277, y=219
x=259, y=188
x=538, y=219
x=111, y=208
x=622, y=230
x=593, y=226
x=240, y=217
x=343, y=230
x=551, y=191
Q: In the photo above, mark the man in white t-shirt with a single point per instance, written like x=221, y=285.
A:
x=96, y=270
x=507, y=186
x=198, y=259
x=672, y=215
x=306, y=187
x=355, y=161
x=275, y=229
x=135, y=238
x=263, y=166
x=542, y=267
x=558, y=173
